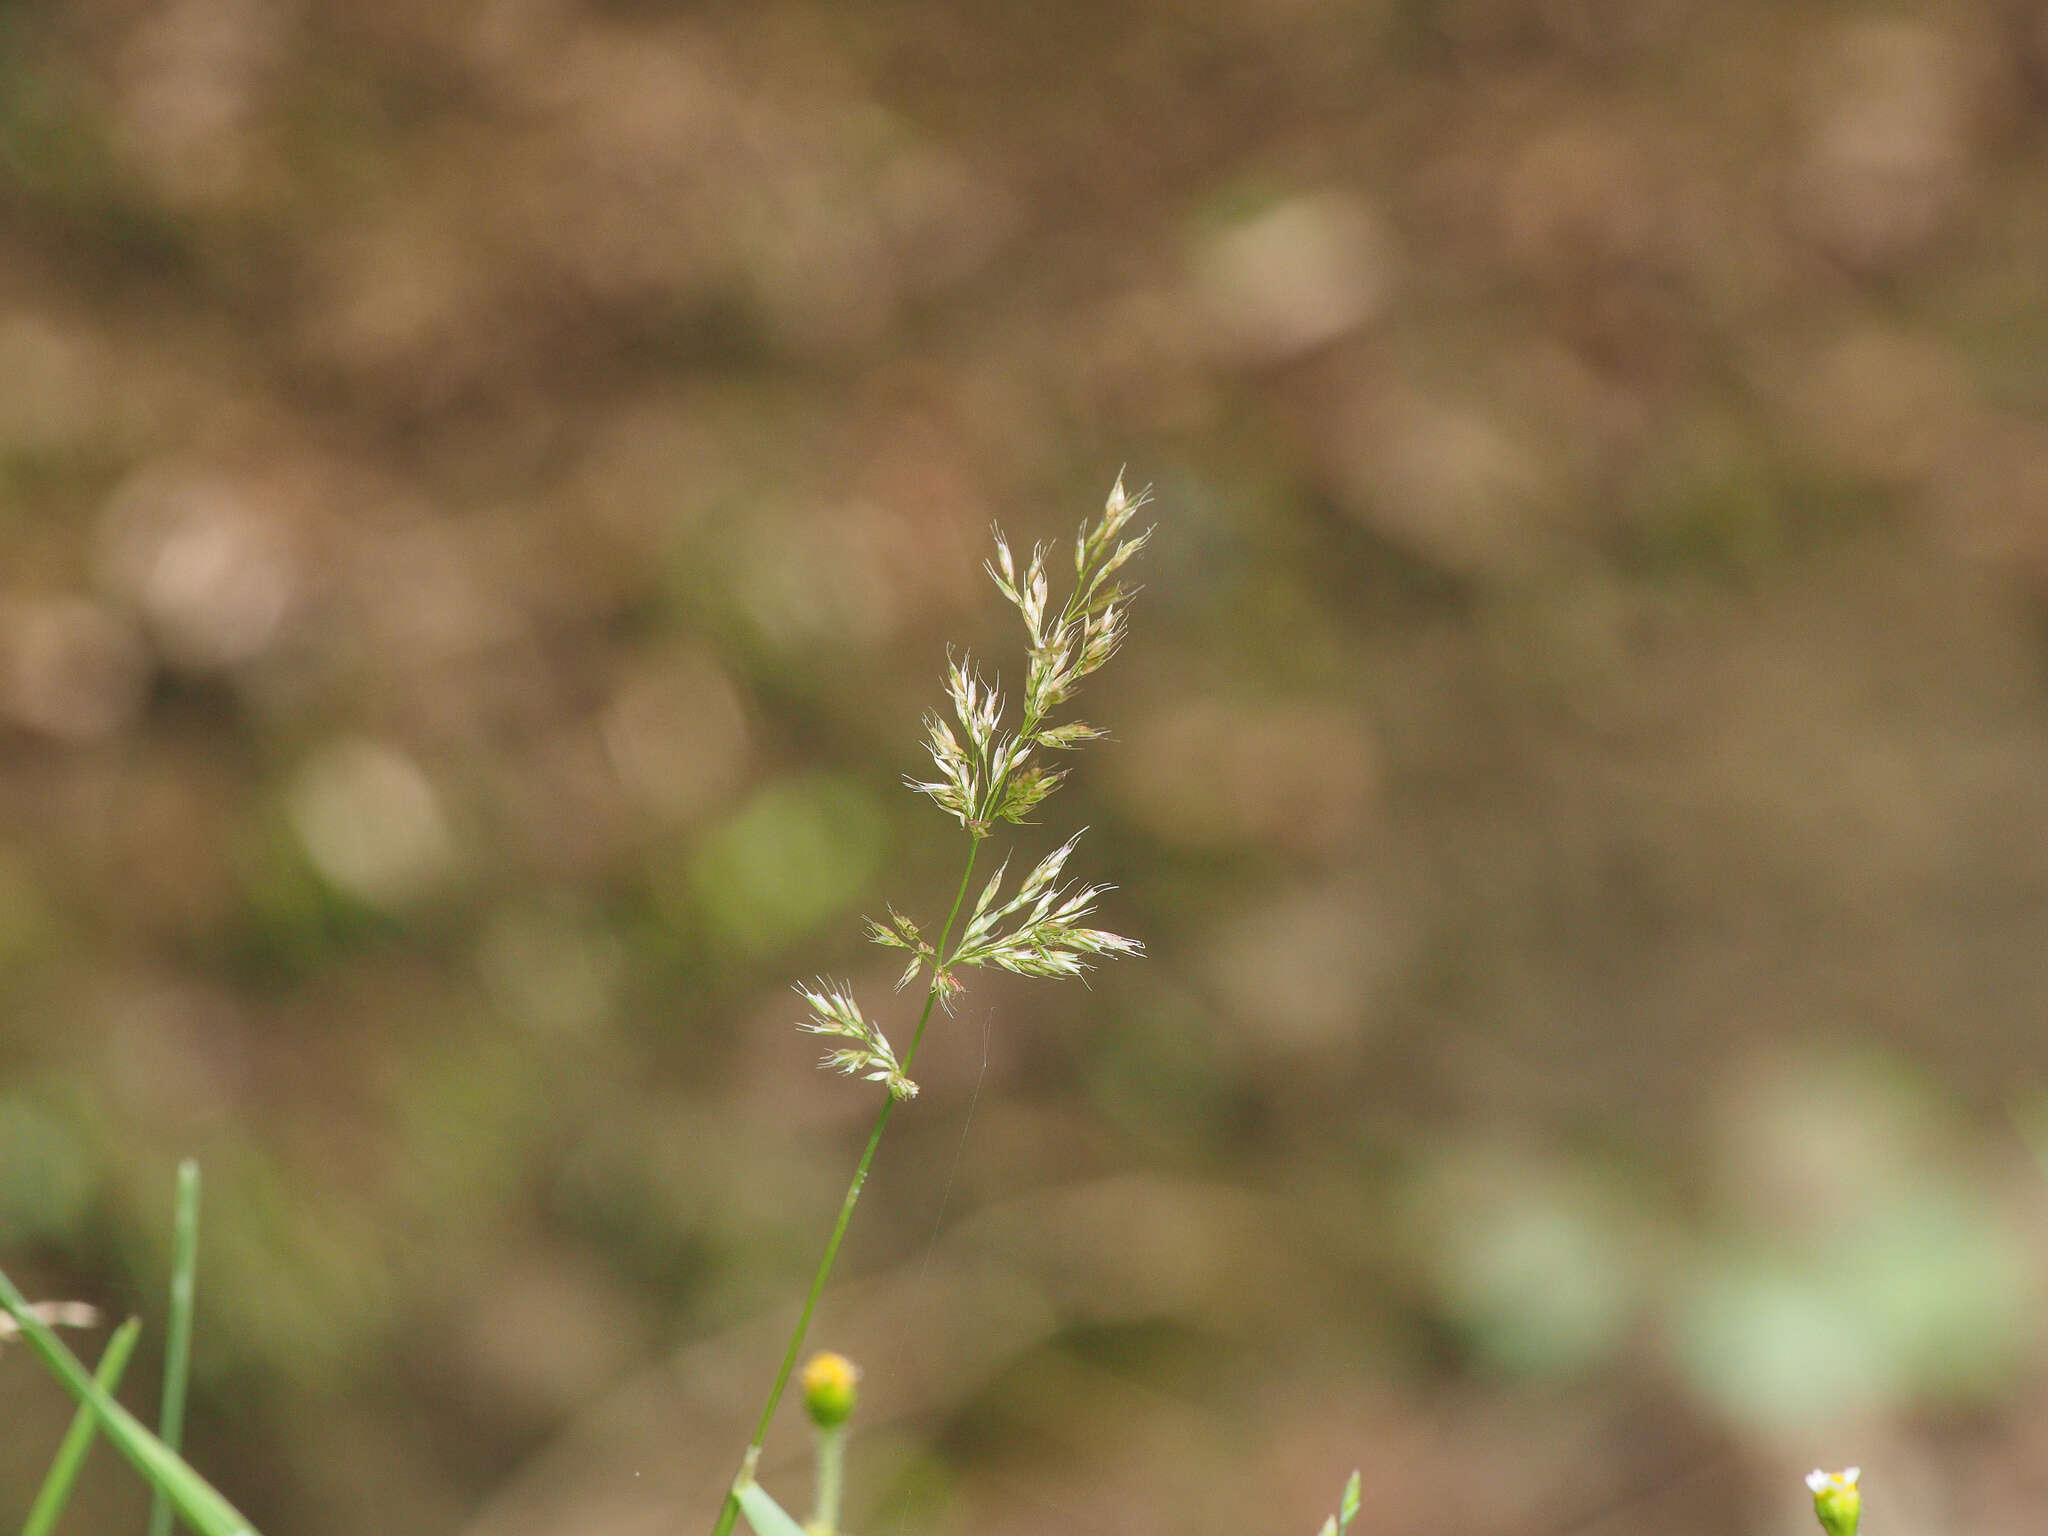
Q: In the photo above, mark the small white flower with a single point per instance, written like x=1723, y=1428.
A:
x=1837, y=1503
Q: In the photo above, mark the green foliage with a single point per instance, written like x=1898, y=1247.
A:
x=1347, y=1510
x=767, y=1517
x=55, y=1493
x=197, y=1502
x=178, y=1336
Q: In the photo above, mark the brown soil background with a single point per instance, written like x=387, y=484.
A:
x=485, y=490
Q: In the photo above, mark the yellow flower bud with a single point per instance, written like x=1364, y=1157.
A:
x=829, y=1389
x=1836, y=1499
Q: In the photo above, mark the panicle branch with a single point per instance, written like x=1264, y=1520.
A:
x=834, y=1012
x=1047, y=939
x=990, y=777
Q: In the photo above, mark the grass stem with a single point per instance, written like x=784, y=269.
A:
x=731, y=1509
x=831, y=1479
x=178, y=1333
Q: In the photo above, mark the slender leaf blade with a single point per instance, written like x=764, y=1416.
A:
x=55, y=1493
x=767, y=1517
x=198, y=1502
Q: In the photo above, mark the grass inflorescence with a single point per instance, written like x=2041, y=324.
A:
x=993, y=762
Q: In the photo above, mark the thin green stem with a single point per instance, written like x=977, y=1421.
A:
x=48, y=1508
x=730, y=1512
x=831, y=1479
x=178, y=1332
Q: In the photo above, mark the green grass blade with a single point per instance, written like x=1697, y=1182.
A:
x=199, y=1504
x=48, y=1508
x=767, y=1517
x=178, y=1335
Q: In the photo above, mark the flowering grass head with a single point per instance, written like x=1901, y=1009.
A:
x=991, y=770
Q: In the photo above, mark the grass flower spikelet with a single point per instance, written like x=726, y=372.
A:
x=990, y=777
x=834, y=1012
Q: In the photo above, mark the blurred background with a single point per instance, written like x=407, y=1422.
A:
x=485, y=491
